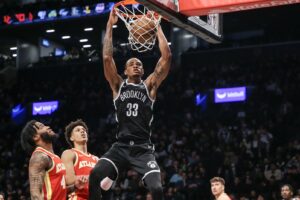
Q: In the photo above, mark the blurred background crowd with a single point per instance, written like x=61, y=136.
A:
x=254, y=144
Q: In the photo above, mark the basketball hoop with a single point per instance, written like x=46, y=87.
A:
x=141, y=23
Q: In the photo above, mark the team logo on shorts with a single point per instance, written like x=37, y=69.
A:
x=152, y=164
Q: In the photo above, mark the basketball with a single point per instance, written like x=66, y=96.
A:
x=143, y=29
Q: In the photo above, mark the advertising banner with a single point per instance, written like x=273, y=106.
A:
x=230, y=94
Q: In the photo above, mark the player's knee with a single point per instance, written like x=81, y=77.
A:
x=106, y=183
x=153, y=183
x=103, y=174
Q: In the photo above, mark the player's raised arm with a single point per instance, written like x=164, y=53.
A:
x=110, y=69
x=163, y=65
x=38, y=165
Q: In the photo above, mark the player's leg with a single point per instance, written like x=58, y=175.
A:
x=99, y=178
x=143, y=161
x=153, y=183
x=106, y=169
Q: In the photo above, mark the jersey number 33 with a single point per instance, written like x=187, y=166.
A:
x=132, y=109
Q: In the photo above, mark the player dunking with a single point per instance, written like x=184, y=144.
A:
x=46, y=171
x=133, y=100
x=77, y=160
x=218, y=188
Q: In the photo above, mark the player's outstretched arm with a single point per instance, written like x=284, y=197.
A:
x=38, y=165
x=110, y=69
x=163, y=65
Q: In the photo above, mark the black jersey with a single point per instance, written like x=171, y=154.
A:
x=134, y=111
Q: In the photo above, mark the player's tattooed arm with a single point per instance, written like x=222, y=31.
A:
x=163, y=65
x=159, y=72
x=38, y=165
x=107, y=42
x=110, y=69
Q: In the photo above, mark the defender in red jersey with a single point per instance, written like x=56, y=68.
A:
x=78, y=161
x=46, y=171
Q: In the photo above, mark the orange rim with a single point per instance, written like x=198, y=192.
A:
x=125, y=3
x=130, y=2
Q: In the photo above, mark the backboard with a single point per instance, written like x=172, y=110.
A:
x=207, y=27
x=203, y=17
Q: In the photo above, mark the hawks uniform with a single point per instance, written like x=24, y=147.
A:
x=83, y=165
x=54, y=187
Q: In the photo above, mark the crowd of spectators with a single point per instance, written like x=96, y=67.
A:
x=253, y=145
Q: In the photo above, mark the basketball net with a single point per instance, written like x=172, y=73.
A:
x=129, y=11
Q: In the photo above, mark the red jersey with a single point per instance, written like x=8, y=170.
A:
x=83, y=165
x=54, y=187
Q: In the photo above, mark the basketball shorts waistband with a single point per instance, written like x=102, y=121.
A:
x=133, y=141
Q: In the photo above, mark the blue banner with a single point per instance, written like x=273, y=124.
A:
x=44, y=108
x=230, y=94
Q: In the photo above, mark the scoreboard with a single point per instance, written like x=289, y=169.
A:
x=55, y=14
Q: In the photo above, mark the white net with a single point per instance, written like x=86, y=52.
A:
x=141, y=23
